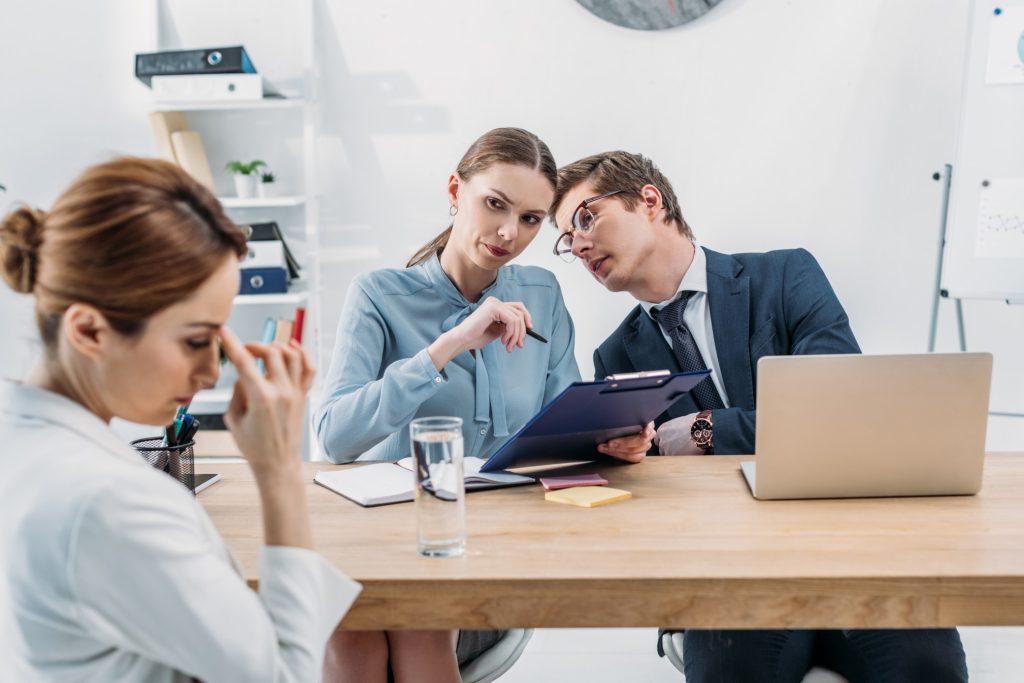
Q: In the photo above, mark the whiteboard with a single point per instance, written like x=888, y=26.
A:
x=984, y=252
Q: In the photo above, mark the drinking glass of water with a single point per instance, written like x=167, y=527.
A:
x=440, y=494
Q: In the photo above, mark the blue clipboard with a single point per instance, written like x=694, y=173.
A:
x=571, y=425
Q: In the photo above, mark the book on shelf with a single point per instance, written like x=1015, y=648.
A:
x=384, y=483
x=283, y=329
x=191, y=156
x=174, y=142
x=283, y=333
x=269, y=231
x=262, y=281
x=298, y=323
x=212, y=60
x=163, y=123
x=207, y=88
x=268, y=254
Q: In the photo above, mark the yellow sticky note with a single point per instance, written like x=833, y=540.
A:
x=588, y=496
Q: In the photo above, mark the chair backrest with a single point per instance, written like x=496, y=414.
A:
x=497, y=659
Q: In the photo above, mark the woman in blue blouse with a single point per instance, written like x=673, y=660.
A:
x=447, y=336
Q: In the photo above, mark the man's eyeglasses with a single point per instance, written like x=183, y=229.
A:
x=582, y=221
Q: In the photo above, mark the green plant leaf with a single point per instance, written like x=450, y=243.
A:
x=244, y=168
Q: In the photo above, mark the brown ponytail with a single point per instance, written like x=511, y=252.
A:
x=129, y=237
x=501, y=145
x=434, y=246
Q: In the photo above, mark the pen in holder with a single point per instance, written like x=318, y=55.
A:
x=177, y=461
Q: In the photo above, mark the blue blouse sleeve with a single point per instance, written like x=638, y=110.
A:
x=361, y=405
x=562, y=368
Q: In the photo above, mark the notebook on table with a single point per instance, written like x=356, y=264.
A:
x=384, y=483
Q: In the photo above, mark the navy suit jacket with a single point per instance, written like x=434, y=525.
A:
x=774, y=304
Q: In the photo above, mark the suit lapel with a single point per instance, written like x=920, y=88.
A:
x=648, y=350
x=729, y=299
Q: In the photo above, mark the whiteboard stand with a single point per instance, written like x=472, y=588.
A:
x=946, y=176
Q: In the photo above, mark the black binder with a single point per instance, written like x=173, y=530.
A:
x=269, y=232
x=214, y=60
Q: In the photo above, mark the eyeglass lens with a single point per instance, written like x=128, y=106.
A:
x=584, y=219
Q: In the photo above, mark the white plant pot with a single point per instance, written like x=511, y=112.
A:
x=246, y=186
x=268, y=190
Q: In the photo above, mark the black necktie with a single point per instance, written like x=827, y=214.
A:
x=671, y=319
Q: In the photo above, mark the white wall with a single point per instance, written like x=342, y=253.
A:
x=69, y=100
x=781, y=123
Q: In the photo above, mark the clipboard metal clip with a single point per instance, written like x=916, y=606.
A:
x=643, y=374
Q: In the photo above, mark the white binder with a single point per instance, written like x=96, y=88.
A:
x=208, y=88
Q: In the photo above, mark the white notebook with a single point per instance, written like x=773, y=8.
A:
x=392, y=482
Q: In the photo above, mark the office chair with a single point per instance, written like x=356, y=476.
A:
x=497, y=659
x=672, y=643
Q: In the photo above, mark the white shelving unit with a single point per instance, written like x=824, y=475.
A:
x=294, y=298
x=211, y=401
x=265, y=103
x=261, y=202
x=283, y=131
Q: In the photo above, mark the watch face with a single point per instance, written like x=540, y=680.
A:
x=700, y=432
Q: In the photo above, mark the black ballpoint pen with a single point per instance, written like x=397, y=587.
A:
x=531, y=333
x=536, y=336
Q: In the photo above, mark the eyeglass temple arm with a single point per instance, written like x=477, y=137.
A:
x=588, y=202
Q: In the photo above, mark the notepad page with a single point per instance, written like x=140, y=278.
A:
x=368, y=485
x=588, y=496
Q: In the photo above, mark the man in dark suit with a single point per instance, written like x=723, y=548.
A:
x=698, y=309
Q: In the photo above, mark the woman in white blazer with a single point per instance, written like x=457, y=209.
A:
x=109, y=569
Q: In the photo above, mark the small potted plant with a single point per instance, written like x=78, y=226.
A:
x=247, y=177
x=268, y=184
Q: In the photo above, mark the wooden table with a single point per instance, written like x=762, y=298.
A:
x=691, y=549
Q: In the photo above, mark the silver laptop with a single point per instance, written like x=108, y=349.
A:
x=862, y=426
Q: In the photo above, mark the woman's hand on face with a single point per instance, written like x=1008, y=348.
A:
x=265, y=413
x=495, y=319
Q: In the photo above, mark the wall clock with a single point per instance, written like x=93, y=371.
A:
x=648, y=15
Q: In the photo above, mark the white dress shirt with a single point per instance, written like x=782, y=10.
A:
x=113, y=571
x=697, y=316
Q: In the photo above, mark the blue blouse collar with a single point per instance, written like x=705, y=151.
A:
x=490, y=394
x=443, y=284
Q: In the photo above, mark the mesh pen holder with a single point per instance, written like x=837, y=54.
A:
x=177, y=461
